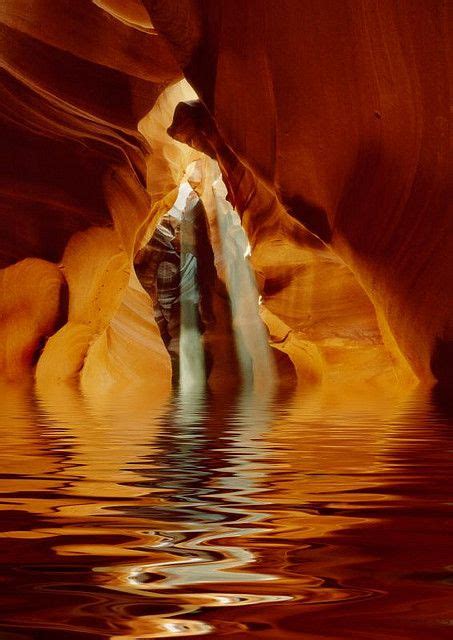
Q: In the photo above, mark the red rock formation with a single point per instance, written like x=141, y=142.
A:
x=30, y=295
x=316, y=311
x=75, y=81
x=329, y=124
x=342, y=110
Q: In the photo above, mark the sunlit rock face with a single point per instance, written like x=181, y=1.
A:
x=76, y=79
x=333, y=154
x=31, y=293
x=341, y=110
x=298, y=464
x=316, y=311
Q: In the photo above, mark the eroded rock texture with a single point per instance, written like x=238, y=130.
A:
x=76, y=80
x=328, y=122
x=341, y=109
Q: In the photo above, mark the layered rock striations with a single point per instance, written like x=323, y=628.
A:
x=329, y=126
x=76, y=79
x=342, y=111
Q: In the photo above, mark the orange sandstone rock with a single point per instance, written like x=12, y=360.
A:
x=30, y=295
x=342, y=110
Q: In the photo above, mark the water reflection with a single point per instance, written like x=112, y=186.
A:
x=248, y=516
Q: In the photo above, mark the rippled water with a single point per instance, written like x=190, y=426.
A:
x=243, y=517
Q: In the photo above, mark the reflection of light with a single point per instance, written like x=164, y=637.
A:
x=169, y=629
x=183, y=193
x=192, y=372
x=252, y=347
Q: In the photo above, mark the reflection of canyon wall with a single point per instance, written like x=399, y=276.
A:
x=335, y=114
x=341, y=108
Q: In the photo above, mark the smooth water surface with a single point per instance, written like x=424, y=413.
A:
x=243, y=516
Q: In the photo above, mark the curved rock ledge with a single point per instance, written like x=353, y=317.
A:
x=330, y=134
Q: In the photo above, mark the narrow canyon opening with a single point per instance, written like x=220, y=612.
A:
x=275, y=303
x=252, y=294
x=195, y=268
x=225, y=320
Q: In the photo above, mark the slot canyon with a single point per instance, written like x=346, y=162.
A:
x=225, y=319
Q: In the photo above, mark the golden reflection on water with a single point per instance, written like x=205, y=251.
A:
x=315, y=516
